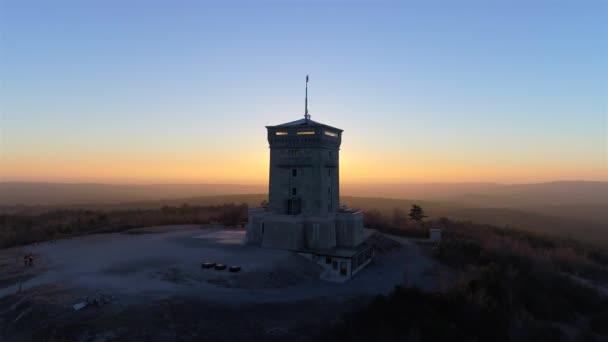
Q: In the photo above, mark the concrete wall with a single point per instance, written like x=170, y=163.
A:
x=254, y=234
x=339, y=230
x=282, y=233
x=290, y=231
x=319, y=233
x=332, y=269
x=349, y=229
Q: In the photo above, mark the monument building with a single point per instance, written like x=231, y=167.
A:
x=303, y=212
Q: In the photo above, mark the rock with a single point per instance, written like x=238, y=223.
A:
x=79, y=306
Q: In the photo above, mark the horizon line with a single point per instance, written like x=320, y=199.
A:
x=265, y=184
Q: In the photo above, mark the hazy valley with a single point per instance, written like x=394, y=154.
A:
x=567, y=209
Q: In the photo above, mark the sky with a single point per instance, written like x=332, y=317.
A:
x=426, y=91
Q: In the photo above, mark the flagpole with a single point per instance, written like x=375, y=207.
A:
x=306, y=116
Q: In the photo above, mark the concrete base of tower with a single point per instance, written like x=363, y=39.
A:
x=336, y=242
x=296, y=232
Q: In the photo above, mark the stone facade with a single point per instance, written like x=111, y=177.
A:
x=303, y=211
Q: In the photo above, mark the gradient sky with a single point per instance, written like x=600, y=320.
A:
x=426, y=91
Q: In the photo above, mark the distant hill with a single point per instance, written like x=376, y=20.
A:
x=419, y=191
x=571, y=209
x=541, y=194
x=90, y=193
x=473, y=194
x=581, y=223
x=491, y=194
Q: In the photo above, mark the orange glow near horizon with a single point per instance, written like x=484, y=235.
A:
x=354, y=169
x=138, y=158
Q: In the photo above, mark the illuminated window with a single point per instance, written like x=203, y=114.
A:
x=280, y=133
x=306, y=132
x=330, y=133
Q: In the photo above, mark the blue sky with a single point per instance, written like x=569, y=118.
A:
x=508, y=91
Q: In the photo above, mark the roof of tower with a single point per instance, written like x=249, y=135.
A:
x=305, y=123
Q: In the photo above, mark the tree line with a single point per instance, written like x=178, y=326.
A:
x=400, y=221
x=20, y=229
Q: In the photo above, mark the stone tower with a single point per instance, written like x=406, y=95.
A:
x=304, y=168
x=303, y=212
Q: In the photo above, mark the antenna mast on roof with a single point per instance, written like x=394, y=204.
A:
x=306, y=115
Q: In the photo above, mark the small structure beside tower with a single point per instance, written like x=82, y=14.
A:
x=303, y=212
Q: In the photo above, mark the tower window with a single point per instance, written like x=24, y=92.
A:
x=280, y=133
x=328, y=172
x=294, y=191
x=306, y=133
x=294, y=172
x=331, y=134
